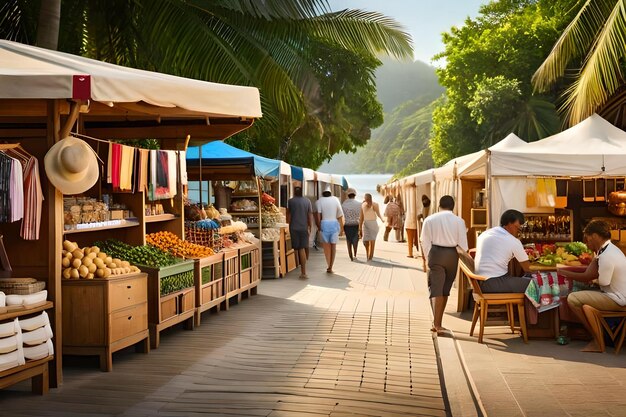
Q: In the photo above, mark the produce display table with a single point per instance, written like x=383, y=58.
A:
x=209, y=283
x=104, y=315
x=171, y=297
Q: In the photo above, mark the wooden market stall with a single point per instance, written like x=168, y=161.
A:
x=46, y=95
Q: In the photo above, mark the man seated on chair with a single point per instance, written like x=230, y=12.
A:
x=609, y=268
x=494, y=250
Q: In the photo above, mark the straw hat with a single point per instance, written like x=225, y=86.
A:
x=71, y=166
x=351, y=191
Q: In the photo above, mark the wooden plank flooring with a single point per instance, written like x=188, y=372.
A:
x=356, y=343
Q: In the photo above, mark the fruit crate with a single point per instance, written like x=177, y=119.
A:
x=209, y=284
x=232, y=285
x=171, y=297
x=249, y=262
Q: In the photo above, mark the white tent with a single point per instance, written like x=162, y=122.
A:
x=477, y=168
x=28, y=72
x=592, y=148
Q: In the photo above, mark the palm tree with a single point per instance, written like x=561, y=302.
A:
x=246, y=42
x=595, y=40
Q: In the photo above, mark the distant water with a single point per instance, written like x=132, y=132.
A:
x=366, y=183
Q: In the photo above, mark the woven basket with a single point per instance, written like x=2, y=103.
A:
x=204, y=237
x=21, y=286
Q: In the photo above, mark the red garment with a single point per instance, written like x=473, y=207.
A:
x=116, y=161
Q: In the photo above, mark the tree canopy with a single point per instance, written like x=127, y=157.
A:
x=298, y=53
x=489, y=62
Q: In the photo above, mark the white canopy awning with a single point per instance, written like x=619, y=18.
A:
x=594, y=147
x=477, y=166
x=28, y=72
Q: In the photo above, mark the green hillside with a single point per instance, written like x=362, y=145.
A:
x=403, y=137
x=401, y=143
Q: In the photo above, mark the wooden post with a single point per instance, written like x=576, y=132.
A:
x=55, y=235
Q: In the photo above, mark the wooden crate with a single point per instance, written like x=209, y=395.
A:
x=232, y=283
x=270, y=259
x=170, y=309
x=209, y=282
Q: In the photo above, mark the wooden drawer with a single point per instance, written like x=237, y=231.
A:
x=128, y=292
x=128, y=322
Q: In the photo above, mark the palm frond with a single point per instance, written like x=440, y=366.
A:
x=363, y=30
x=601, y=75
x=573, y=43
x=268, y=9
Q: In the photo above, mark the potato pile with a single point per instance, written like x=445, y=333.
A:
x=91, y=262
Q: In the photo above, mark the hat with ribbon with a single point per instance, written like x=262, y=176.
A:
x=71, y=165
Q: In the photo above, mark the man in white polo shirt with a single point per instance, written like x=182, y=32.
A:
x=441, y=234
x=609, y=268
x=494, y=250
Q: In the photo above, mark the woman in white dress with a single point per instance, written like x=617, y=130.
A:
x=368, y=225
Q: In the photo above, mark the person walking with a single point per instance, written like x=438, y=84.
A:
x=299, y=213
x=352, y=212
x=441, y=234
x=368, y=226
x=393, y=214
x=329, y=221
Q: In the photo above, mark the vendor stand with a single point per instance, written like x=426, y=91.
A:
x=47, y=94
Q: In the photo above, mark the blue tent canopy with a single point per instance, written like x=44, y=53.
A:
x=218, y=153
x=297, y=173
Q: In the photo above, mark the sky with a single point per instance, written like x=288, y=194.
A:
x=425, y=20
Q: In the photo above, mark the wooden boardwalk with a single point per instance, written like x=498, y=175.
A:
x=356, y=343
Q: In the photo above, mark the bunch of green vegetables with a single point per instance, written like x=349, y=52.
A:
x=146, y=255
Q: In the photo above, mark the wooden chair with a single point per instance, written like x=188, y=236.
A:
x=483, y=301
x=597, y=319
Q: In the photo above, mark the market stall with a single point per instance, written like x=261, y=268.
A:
x=241, y=183
x=562, y=182
x=47, y=94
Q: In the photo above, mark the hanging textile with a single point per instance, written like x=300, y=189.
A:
x=126, y=167
x=6, y=163
x=17, y=191
x=172, y=186
x=182, y=163
x=116, y=160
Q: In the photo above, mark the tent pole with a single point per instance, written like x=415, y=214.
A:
x=489, y=186
x=200, y=189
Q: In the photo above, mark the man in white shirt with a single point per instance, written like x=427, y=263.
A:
x=609, y=268
x=494, y=250
x=329, y=220
x=442, y=232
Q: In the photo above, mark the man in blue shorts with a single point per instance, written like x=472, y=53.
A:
x=329, y=220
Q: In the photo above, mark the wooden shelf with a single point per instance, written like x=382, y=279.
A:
x=159, y=218
x=244, y=196
x=128, y=223
x=11, y=312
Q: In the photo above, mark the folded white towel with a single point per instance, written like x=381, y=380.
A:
x=35, y=322
x=10, y=328
x=11, y=343
x=38, y=336
x=11, y=360
x=40, y=351
x=3, y=301
x=28, y=299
